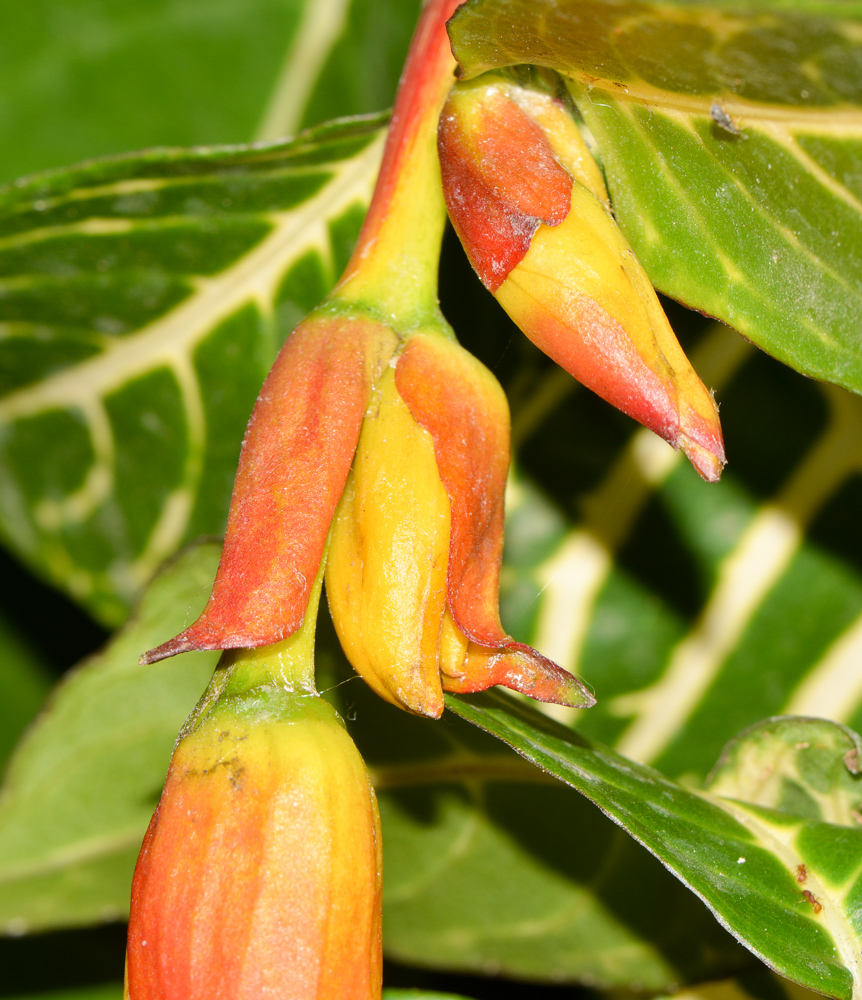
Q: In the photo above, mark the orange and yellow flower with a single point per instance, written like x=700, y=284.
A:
x=375, y=423
x=402, y=447
x=260, y=873
x=530, y=206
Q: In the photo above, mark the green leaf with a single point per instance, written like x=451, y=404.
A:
x=107, y=992
x=806, y=767
x=142, y=301
x=100, y=78
x=455, y=807
x=492, y=867
x=82, y=785
x=24, y=683
x=786, y=888
x=695, y=611
x=731, y=137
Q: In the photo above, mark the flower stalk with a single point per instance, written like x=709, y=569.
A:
x=393, y=269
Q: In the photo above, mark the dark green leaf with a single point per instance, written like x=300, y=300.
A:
x=786, y=888
x=24, y=683
x=492, y=867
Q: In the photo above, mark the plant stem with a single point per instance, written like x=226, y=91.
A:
x=289, y=663
x=394, y=265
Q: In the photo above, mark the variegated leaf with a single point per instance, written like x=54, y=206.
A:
x=142, y=301
x=787, y=886
x=696, y=611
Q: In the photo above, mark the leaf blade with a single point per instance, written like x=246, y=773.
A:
x=711, y=846
x=82, y=785
x=181, y=310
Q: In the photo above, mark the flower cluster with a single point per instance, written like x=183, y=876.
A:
x=376, y=457
x=376, y=433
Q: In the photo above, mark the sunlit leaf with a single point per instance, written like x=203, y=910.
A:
x=142, y=301
x=731, y=135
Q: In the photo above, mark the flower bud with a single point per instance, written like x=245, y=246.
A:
x=530, y=207
x=259, y=875
x=412, y=574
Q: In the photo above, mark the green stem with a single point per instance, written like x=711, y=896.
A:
x=289, y=663
x=394, y=266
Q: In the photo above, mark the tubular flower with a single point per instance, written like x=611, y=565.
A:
x=260, y=873
x=416, y=545
x=530, y=206
x=416, y=526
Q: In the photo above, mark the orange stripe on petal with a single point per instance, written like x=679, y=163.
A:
x=294, y=463
x=461, y=405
